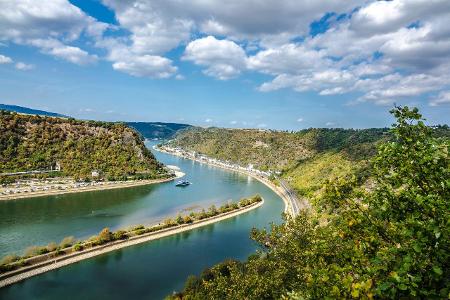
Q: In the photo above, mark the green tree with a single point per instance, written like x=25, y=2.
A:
x=390, y=240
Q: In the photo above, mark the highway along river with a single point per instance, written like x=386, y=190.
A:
x=146, y=271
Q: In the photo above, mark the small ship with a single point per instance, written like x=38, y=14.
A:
x=183, y=183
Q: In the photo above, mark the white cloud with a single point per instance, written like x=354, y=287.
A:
x=69, y=53
x=330, y=124
x=233, y=122
x=288, y=59
x=208, y=120
x=48, y=25
x=23, y=66
x=224, y=59
x=5, y=59
x=384, y=51
x=441, y=99
x=146, y=66
x=300, y=120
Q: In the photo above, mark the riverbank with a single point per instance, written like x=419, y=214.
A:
x=109, y=185
x=58, y=262
x=280, y=191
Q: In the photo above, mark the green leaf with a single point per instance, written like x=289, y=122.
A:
x=437, y=270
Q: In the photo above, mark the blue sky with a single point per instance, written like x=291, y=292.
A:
x=314, y=65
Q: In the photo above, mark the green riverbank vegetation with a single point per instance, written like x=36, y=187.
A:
x=84, y=150
x=36, y=254
x=386, y=241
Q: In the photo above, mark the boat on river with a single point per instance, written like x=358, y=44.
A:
x=182, y=183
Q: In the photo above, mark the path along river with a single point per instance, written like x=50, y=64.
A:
x=147, y=271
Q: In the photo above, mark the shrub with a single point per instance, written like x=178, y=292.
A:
x=187, y=219
x=67, y=242
x=52, y=246
x=137, y=227
x=179, y=219
x=8, y=259
x=32, y=251
x=104, y=236
x=202, y=215
x=140, y=231
x=120, y=235
x=77, y=247
x=212, y=210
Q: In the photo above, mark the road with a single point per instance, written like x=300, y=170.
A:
x=297, y=204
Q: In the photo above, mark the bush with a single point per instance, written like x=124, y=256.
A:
x=137, y=227
x=104, y=236
x=31, y=251
x=67, y=242
x=77, y=247
x=9, y=259
x=187, y=219
x=212, y=210
x=179, y=219
x=202, y=215
x=52, y=246
x=120, y=235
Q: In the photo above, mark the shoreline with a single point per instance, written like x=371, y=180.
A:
x=15, y=276
x=282, y=193
x=110, y=186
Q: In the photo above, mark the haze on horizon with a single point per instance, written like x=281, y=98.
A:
x=283, y=65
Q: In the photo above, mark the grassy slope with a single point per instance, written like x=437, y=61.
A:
x=307, y=158
x=32, y=142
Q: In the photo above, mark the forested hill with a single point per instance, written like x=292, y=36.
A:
x=29, y=111
x=307, y=158
x=388, y=240
x=157, y=130
x=29, y=142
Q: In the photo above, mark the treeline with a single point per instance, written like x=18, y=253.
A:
x=105, y=236
x=159, y=130
x=390, y=241
x=113, y=150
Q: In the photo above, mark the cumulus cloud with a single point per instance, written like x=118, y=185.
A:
x=383, y=51
x=146, y=66
x=23, y=66
x=224, y=59
x=69, y=53
x=5, y=59
x=48, y=25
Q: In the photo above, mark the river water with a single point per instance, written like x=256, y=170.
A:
x=146, y=271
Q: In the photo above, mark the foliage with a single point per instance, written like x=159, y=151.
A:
x=67, y=242
x=78, y=247
x=390, y=241
x=51, y=246
x=38, y=143
x=104, y=236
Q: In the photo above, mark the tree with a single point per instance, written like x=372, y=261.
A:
x=390, y=240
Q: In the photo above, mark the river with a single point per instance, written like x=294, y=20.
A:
x=147, y=271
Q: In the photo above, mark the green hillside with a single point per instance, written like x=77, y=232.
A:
x=307, y=158
x=390, y=241
x=30, y=143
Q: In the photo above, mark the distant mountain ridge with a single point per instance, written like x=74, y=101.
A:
x=30, y=111
x=157, y=130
